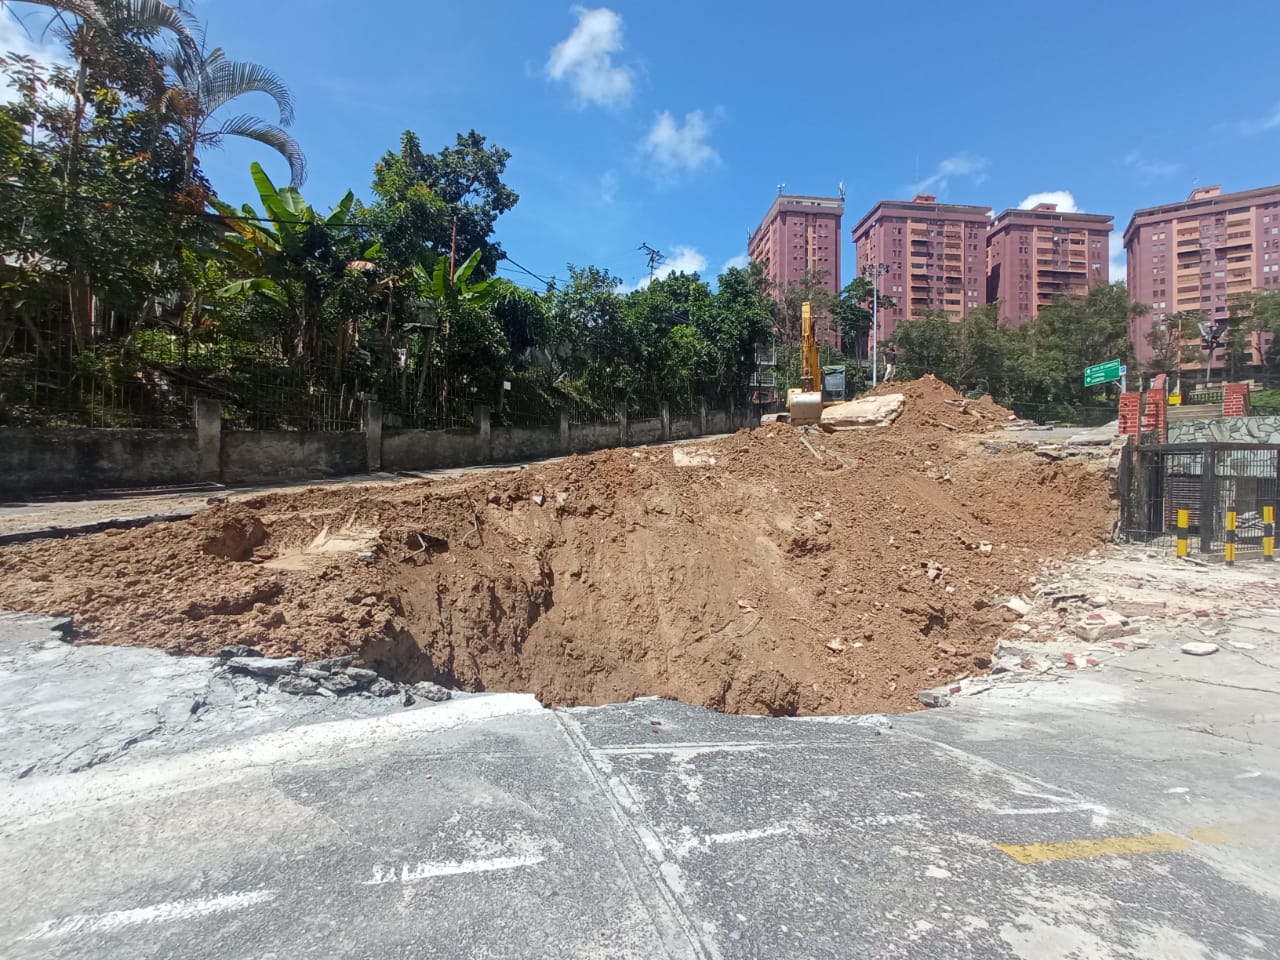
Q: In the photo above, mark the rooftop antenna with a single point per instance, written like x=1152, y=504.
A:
x=781, y=187
x=842, y=191
x=656, y=258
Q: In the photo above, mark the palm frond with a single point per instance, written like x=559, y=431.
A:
x=225, y=80
x=255, y=128
x=87, y=10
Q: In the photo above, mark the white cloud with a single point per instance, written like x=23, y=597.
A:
x=15, y=39
x=607, y=188
x=585, y=59
x=1268, y=121
x=1065, y=200
x=680, y=149
x=740, y=262
x=1149, y=169
x=1118, y=261
x=959, y=165
x=682, y=260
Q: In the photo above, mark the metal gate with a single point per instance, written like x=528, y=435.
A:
x=1206, y=479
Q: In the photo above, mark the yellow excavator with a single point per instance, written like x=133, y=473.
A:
x=804, y=403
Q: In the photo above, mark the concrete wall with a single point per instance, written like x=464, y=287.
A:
x=1227, y=430
x=265, y=456
x=37, y=461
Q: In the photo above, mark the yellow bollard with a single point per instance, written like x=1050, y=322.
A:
x=1269, y=533
x=1230, y=546
x=1184, y=524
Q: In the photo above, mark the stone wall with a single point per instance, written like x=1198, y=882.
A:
x=1227, y=430
x=45, y=461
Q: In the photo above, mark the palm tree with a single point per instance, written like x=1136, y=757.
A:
x=205, y=83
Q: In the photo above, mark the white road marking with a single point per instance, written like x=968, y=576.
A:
x=155, y=913
x=1098, y=812
x=1178, y=790
x=428, y=869
x=733, y=836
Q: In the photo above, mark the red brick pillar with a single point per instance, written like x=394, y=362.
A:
x=1235, y=400
x=1130, y=405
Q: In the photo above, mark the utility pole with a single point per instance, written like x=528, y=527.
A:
x=875, y=272
x=656, y=258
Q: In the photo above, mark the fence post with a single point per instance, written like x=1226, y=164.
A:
x=564, y=429
x=208, y=418
x=622, y=423
x=1208, y=497
x=1184, y=522
x=664, y=414
x=702, y=416
x=481, y=413
x=1269, y=533
x=371, y=423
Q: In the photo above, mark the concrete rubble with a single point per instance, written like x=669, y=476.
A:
x=334, y=676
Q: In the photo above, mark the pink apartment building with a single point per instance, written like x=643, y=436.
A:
x=800, y=235
x=1198, y=255
x=936, y=254
x=1037, y=255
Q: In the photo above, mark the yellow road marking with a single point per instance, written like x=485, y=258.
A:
x=1128, y=846
x=1101, y=847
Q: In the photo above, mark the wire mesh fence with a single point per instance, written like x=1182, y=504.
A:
x=1208, y=481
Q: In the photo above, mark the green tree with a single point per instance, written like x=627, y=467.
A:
x=853, y=313
x=466, y=179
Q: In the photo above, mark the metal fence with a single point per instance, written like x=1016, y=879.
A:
x=1206, y=479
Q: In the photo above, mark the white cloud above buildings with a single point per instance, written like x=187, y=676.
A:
x=958, y=166
x=680, y=149
x=585, y=60
x=740, y=262
x=1150, y=169
x=1264, y=123
x=1064, y=199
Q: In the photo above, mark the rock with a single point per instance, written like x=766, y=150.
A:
x=985, y=548
x=865, y=412
x=432, y=691
x=382, y=688
x=1199, y=648
x=265, y=666
x=1242, y=645
x=1102, y=625
x=311, y=673
x=1097, y=602
x=332, y=664
x=686, y=457
x=407, y=699
x=361, y=676
x=1139, y=608
x=237, y=650
x=63, y=627
x=836, y=645
x=539, y=499
x=338, y=683
x=299, y=686
x=1018, y=605
x=933, y=698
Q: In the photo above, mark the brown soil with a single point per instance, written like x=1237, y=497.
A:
x=768, y=582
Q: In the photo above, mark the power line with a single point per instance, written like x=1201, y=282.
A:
x=528, y=271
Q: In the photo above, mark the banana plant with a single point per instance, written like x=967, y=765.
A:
x=291, y=254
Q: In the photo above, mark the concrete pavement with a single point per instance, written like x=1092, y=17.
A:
x=1126, y=813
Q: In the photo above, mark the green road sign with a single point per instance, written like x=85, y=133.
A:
x=1103, y=373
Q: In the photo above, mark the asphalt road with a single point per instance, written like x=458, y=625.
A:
x=1100, y=818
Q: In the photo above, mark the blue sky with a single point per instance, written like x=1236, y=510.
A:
x=673, y=123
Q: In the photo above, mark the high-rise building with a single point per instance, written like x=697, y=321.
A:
x=801, y=235
x=1037, y=255
x=1198, y=255
x=936, y=255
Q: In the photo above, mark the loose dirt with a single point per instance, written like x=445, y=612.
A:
x=767, y=581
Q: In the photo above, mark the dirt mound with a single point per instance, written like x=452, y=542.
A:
x=768, y=582
x=934, y=406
